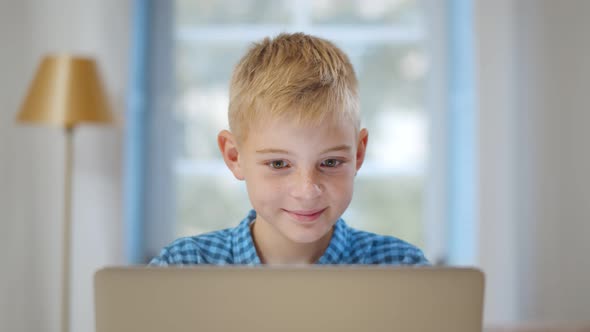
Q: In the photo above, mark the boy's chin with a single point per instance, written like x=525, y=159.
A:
x=308, y=236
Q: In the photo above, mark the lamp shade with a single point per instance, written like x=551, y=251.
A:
x=65, y=91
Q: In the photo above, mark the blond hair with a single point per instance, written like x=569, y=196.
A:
x=299, y=77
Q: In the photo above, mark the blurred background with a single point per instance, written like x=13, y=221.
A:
x=477, y=112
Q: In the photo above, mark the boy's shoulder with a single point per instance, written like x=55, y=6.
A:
x=371, y=248
x=209, y=248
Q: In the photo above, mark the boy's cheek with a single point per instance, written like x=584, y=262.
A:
x=262, y=179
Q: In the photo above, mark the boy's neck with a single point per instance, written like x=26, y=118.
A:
x=273, y=248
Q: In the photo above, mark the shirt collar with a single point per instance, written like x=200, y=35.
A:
x=243, y=247
x=338, y=246
x=244, y=251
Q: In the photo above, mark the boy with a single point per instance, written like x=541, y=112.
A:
x=295, y=139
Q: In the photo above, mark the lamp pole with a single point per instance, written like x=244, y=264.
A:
x=67, y=228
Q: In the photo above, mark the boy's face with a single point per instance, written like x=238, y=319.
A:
x=299, y=179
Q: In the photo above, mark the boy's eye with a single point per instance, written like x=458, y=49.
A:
x=331, y=163
x=278, y=164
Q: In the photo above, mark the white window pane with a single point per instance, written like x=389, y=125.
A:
x=191, y=12
x=203, y=72
x=389, y=205
x=407, y=12
x=206, y=202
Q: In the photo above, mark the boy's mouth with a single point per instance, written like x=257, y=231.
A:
x=305, y=215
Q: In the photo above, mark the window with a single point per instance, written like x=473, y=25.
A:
x=385, y=41
x=196, y=45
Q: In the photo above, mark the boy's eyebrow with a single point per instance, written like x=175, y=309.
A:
x=272, y=151
x=343, y=147
x=336, y=148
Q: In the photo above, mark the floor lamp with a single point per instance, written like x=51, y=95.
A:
x=65, y=92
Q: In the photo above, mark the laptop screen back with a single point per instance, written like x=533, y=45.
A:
x=311, y=299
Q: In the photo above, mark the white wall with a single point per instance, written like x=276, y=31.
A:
x=495, y=29
x=553, y=69
x=534, y=73
x=31, y=163
x=12, y=235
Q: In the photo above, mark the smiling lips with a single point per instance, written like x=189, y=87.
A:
x=305, y=216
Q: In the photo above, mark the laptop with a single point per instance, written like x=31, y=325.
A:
x=268, y=298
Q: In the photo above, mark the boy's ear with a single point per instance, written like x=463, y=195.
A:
x=361, y=148
x=229, y=150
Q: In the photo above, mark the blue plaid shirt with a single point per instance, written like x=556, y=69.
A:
x=235, y=246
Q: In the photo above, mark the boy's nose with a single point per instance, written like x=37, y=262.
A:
x=306, y=186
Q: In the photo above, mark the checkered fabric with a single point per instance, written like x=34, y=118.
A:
x=235, y=246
